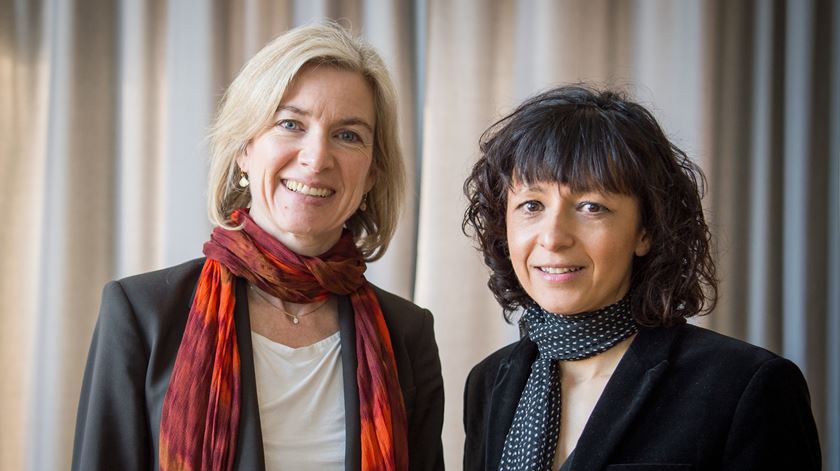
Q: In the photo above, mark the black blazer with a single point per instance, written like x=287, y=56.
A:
x=680, y=398
x=141, y=322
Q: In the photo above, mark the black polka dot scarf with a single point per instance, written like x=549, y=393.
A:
x=532, y=439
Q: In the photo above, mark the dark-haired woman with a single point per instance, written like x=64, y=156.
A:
x=591, y=223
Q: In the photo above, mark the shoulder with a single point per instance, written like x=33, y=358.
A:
x=729, y=354
x=519, y=355
x=697, y=344
x=402, y=315
x=158, y=290
x=491, y=363
x=701, y=357
x=755, y=397
x=152, y=302
x=160, y=282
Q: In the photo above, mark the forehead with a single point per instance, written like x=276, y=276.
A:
x=569, y=180
x=563, y=189
x=330, y=90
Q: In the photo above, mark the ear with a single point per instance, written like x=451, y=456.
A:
x=242, y=158
x=370, y=180
x=643, y=244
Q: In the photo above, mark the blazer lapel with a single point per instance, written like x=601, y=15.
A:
x=347, y=331
x=249, y=447
x=633, y=380
x=510, y=381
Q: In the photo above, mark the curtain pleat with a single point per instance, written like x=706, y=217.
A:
x=831, y=431
x=470, y=78
x=140, y=112
x=23, y=108
x=104, y=109
x=76, y=241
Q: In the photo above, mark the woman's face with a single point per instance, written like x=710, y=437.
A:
x=310, y=168
x=573, y=252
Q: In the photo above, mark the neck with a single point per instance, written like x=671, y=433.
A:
x=601, y=365
x=295, y=309
x=308, y=245
x=305, y=244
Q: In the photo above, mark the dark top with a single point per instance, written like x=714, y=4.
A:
x=567, y=465
x=680, y=398
x=140, y=326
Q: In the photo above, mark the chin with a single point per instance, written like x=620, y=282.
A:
x=564, y=309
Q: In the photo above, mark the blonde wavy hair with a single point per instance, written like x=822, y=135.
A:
x=251, y=101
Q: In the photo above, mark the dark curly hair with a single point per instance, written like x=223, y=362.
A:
x=596, y=140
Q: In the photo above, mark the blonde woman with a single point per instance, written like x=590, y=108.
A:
x=274, y=351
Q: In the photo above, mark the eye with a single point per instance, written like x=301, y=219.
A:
x=531, y=206
x=348, y=136
x=289, y=124
x=590, y=207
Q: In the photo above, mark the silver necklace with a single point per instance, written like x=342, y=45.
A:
x=295, y=318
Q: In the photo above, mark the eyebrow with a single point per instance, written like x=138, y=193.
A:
x=524, y=188
x=349, y=121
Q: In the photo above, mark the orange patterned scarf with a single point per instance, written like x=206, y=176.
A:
x=200, y=416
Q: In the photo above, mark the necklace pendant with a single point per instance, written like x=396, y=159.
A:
x=295, y=321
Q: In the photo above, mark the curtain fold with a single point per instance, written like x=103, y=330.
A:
x=771, y=184
x=104, y=109
x=471, y=49
x=22, y=109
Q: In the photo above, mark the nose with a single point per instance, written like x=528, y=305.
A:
x=315, y=153
x=557, y=233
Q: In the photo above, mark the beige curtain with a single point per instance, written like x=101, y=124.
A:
x=104, y=107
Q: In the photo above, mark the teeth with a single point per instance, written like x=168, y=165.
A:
x=299, y=187
x=557, y=271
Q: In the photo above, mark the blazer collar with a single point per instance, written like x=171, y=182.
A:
x=636, y=375
x=634, y=378
x=510, y=381
x=249, y=447
x=347, y=331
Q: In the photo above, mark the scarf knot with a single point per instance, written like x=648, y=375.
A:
x=532, y=439
x=255, y=255
x=200, y=417
x=579, y=336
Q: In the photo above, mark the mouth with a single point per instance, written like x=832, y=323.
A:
x=304, y=189
x=559, y=270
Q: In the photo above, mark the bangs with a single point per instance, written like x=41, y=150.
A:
x=575, y=145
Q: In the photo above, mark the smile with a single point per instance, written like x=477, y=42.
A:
x=304, y=189
x=559, y=271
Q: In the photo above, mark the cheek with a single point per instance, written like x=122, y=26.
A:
x=617, y=257
x=517, y=248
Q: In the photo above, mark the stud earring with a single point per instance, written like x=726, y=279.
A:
x=363, y=206
x=243, y=181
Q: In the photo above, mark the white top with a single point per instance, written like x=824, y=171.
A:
x=300, y=392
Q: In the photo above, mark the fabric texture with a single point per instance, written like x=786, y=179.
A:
x=680, y=398
x=200, y=415
x=138, y=333
x=532, y=440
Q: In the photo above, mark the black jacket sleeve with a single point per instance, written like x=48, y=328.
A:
x=773, y=427
x=111, y=424
x=424, y=440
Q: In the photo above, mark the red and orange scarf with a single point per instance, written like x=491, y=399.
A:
x=200, y=416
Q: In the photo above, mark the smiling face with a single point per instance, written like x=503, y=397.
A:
x=311, y=167
x=573, y=252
